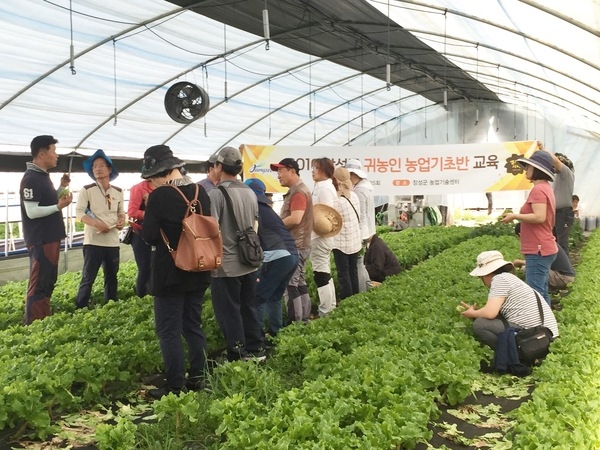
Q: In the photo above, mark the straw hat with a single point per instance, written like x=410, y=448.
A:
x=342, y=176
x=327, y=221
x=488, y=262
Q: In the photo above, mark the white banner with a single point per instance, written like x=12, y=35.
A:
x=407, y=170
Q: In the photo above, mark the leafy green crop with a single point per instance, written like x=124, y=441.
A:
x=564, y=412
x=370, y=375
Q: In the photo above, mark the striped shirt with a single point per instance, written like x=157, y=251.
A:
x=520, y=304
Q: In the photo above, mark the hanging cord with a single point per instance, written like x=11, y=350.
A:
x=309, y=66
x=225, y=61
x=115, y=78
x=425, y=121
x=477, y=90
x=205, y=86
x=445, y=60
x=375, y=127
x=498, y=103
x=348, y=121
x=315, y=120
x=400, y=109
x=388, y=67
x=445, y=77
x=527, y=117
x=362, y=90
x=515, y=112
x=270, y=110
x=72, y=47
x=266, y=27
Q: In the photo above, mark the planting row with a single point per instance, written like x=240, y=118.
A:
x=78, y=358
x=370, y=375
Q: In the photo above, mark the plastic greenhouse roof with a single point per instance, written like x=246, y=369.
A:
x=322, y=80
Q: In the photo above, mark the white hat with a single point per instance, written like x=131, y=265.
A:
x=488, y=262
x=355, y=166
x=327, y=221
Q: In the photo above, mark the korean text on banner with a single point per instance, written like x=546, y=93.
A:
x=407, y=170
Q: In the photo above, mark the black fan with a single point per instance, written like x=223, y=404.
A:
x=186, y=102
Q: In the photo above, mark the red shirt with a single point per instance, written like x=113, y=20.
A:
x=538, y=237
x=137, y=206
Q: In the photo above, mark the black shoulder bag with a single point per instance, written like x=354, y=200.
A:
x=533, y=343
x=249, y=250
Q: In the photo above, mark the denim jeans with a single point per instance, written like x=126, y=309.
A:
x=486, y=331
x=537, y=271
x=143, y=256
x=347, y=273
x=174, y=317
x=95, y=256
x=272, y=279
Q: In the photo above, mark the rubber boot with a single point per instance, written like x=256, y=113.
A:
x=363, y=276
x=326, y=298
x=295, y=309
x=306, y=307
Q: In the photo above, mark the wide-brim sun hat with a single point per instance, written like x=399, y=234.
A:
x=89, y=162
x=327, y=221
x=355, y=166
x=159, y=158
x=541, y=160
x=488, y=262
x=342, y=175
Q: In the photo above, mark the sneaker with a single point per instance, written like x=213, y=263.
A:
x=269, y=342
x=161, y=392
x=258, y=355
x=486, y=367
x=195, y=384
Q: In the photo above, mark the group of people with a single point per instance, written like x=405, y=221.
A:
x=544, y=225
x=336, y=217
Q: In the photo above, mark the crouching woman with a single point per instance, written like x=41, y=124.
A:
x=509, y=298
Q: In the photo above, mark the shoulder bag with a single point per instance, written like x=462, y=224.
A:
x=250, y=252
x=533, y=343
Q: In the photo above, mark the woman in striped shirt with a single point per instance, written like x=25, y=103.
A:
x=509, y=297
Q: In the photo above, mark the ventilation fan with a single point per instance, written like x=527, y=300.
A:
x=186, y=102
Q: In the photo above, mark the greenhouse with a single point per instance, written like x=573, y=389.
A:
x=382, y=81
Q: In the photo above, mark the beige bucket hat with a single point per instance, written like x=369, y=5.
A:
x=488, y=262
